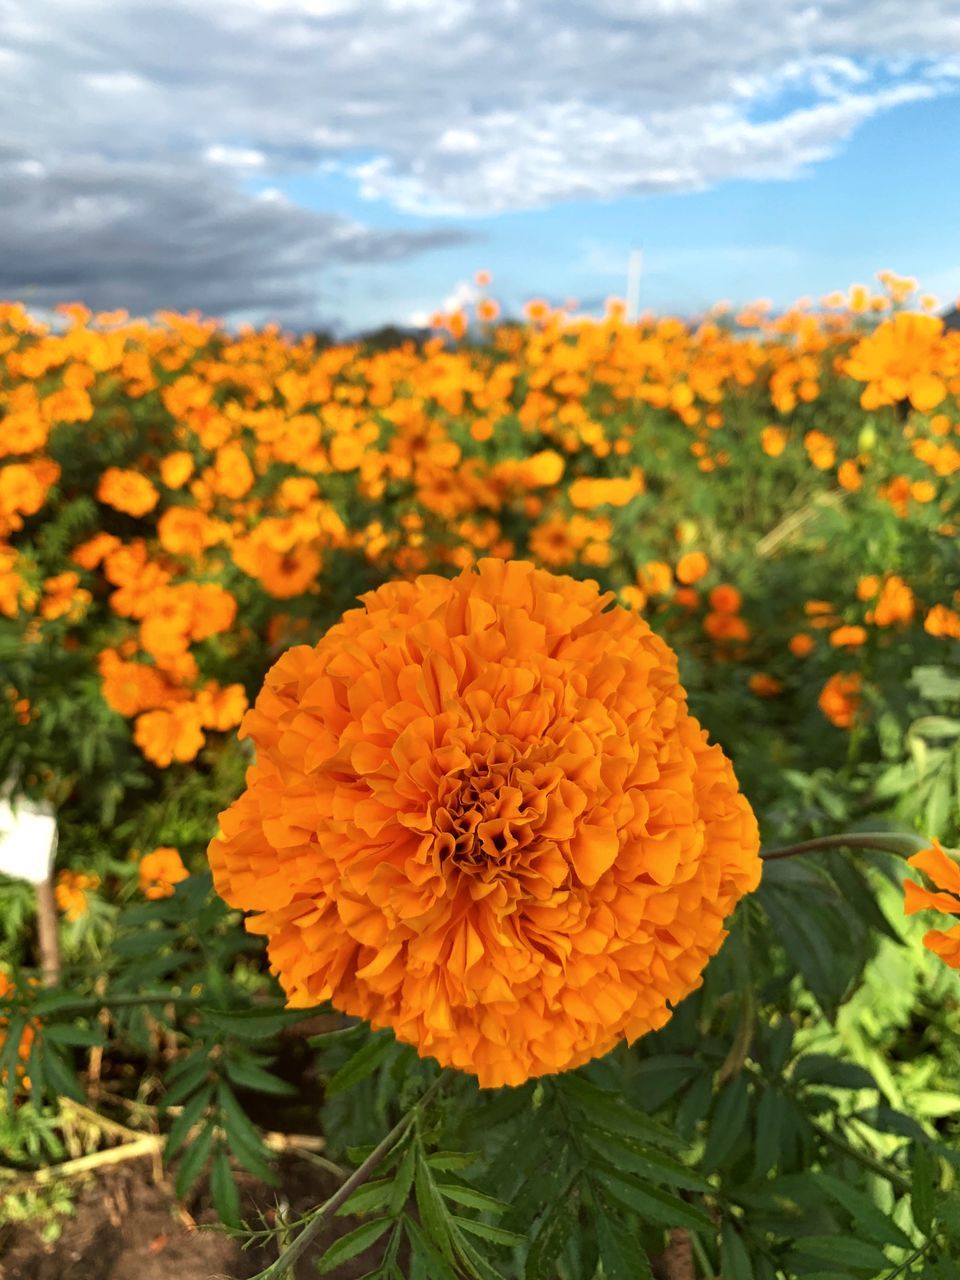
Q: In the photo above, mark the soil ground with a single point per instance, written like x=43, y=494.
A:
x=127, y=1227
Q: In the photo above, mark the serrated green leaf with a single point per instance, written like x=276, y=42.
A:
x=403, y=1182
x=363, y=1063
x=821, y=1068
x=471, y=1198
x=845, y=1251
x=433, y=1214
x=250, y=1075
x=622, y=1256
x=253, y=1024
x=187, y=1081
x=924, y=1182
x=72, y=1035
x=727, y=1124
x=649, y=1164
x=223, y=1190
x=652, y=1203
x=185, y=1121
x=768, y=1128
x=450, y=1161
x=870, y=1220
x=368, y=1198
x=194, y=1159
x=553, y=1231
x=436, y=1266
x=60, y=1075
x=353, y=1243
x=735, y=1261
x=604, y=1109
x=496, y=1235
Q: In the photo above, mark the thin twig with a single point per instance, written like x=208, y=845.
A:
x=887, y=841
x=289, y=1257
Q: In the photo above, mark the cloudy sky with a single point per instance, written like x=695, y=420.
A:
x=356, y=161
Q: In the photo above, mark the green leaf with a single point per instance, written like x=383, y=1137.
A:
x=553, y=1231
x=433, y=1214
x=771, y=1113
x=869, y=1219
x=368, y=1198
x=191, y=1166
x=185, y=1121
x=250, y=1075
x=242, y=1136
x=496, y=1235
x=193, y=1072
x=924, y=1181
x=821, y=1068
x=727, y=1124
x=403, y=1182
x=60, y=1075
x=449, y=1161
x=253, y=1024
x=605, y=1110
x=845, y=1251
x=651, y=1203
x=363, y=1063
x=70, y=1034
x=622, y=1255
x=350, y=1245
x=652, y=1165
x=223, y=1189
x=470, y=1198
x=735, y=1261
x=435, y=1265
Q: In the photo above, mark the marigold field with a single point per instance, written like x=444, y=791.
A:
x=638, y=600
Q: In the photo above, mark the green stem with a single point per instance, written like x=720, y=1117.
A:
x=863, y=1157
x=289, y=1257
x=888, y=841
x=908, y=1262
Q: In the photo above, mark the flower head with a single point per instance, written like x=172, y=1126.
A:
x=482, y=814
x=944, y=874
x=160, y=871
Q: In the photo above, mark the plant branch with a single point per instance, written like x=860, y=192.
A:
x=291, y=1255
x=887, y=841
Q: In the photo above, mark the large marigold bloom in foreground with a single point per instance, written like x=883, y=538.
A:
x=944, y=874
x=481, y=814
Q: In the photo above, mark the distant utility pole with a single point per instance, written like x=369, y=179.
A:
x=634, y=263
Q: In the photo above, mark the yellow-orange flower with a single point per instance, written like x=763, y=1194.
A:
x=160, y=871
x=127, y=491
x=71, y=893
x=944, y=874
x=481, y=814
x=840, y=698
x=692, y=567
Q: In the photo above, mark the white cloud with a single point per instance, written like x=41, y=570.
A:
x=453, y=108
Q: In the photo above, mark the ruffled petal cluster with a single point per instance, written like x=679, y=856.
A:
x=481, y=814
x=944, y=874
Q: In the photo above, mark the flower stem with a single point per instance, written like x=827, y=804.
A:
x=888, y=841
x=289, y=1257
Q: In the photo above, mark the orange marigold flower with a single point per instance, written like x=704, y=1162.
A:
x=487, y=309
x=867, y=587
x=773, y=441
x=725, y=599
x=89, y=554
x=176, y=469
x=840, y=698
x=848, y=637
x=944, y=873
x=655, y=577
x=848, y=474
x=692, y=567
x=482, y=814
x=801, y=644
x=8, y=997
x=160, y=871
x=127, y=491
x=895, y=604
x=221, y=708
x=165, y=735
x=942, y=621
x=71, y=893
x=765, y=686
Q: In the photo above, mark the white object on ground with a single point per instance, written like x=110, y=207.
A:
x=28, y=840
